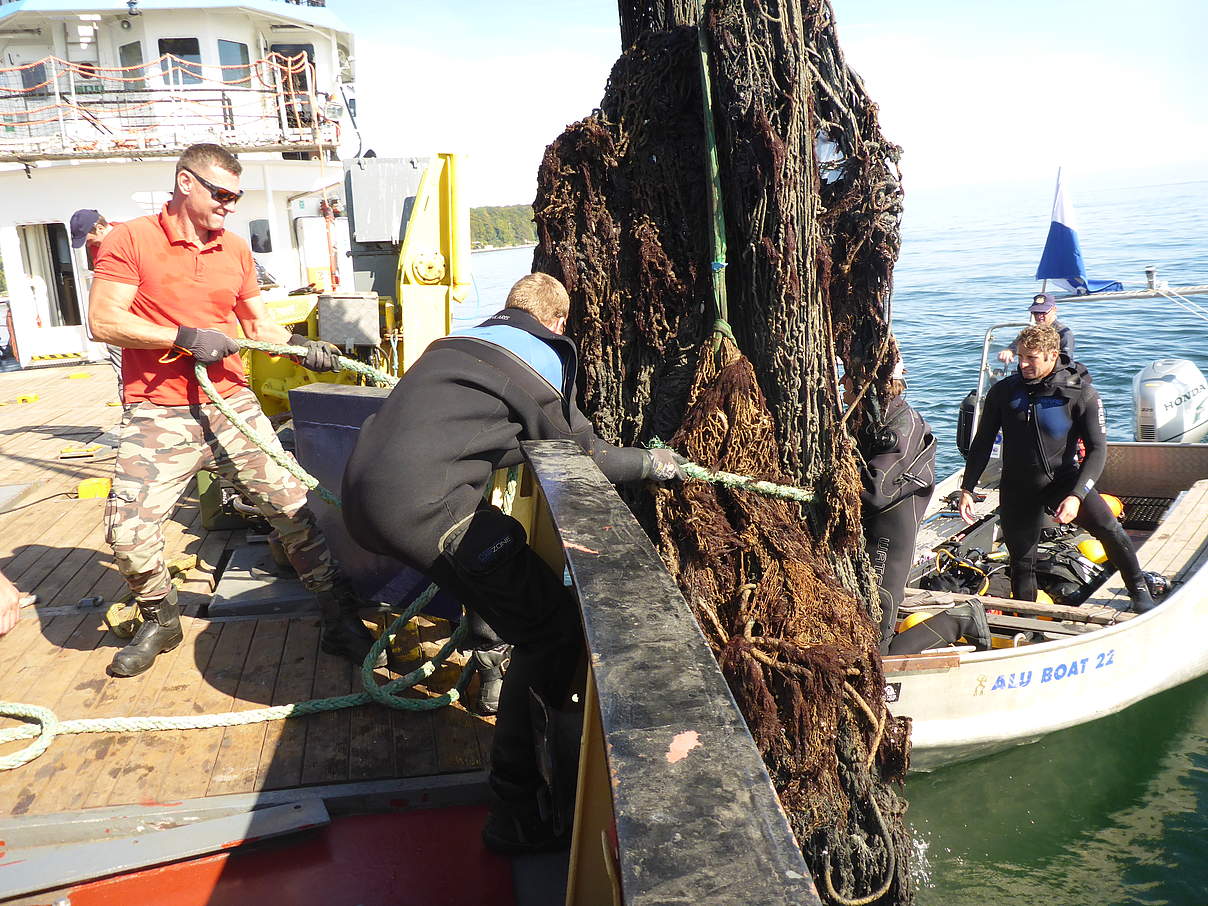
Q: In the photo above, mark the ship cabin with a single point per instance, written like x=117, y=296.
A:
x=99, y=97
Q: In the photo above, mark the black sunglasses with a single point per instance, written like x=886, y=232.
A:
x=218, y=193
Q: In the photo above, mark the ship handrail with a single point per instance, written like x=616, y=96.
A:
x=695, y=813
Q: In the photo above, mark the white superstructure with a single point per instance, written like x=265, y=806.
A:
x=99, y=97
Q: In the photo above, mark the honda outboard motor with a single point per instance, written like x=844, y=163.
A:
x=1170, y=403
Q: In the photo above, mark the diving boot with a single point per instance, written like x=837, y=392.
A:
x=344, y=633
x=160, y=631
x=515, y=828
x=491, y=664
x=1138, y=593
x=971, y=618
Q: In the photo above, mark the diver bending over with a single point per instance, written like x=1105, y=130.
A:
x=1043, y=411
x=414, y=488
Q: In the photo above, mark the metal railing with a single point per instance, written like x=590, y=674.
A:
x=56, y=109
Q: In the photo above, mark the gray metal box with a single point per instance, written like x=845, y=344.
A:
x=380, y=192
x=349, y=319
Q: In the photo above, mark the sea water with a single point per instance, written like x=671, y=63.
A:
x=1114, y=812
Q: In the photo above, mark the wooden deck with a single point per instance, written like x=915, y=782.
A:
x=53, y=546
x=1176, y=549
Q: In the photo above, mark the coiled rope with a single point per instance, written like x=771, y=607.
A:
x=43, y=726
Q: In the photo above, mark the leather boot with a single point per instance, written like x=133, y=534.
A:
x=160, y=631
x=344, y=633
x=491, y=664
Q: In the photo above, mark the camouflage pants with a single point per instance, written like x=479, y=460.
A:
x=162, y=448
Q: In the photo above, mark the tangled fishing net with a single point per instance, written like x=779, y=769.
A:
x=745, y=381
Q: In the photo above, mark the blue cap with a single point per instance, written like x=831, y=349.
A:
x=1043, y=302
x=82, y=222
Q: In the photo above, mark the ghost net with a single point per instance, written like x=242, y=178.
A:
x=745, y=381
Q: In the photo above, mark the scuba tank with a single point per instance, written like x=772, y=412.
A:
x=964, y=423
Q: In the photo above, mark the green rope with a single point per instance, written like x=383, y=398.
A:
x=43, y=725
x=741, y=482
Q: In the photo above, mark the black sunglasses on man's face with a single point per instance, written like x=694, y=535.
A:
x=218, y=193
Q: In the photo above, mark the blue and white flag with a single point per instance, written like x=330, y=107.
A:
x=1061, y=260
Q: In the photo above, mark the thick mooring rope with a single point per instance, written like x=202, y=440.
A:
x=45, y=726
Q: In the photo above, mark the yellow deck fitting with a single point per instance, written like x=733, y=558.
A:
x=93, y=487
x=27, y=398
x=75, y=451
x=77, y=375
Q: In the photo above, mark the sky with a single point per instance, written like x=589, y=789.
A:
x=977, y=93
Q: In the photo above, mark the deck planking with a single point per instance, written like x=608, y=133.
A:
x=53, y=545
x=1174, y=549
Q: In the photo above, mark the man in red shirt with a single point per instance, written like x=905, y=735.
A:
x=173, y=289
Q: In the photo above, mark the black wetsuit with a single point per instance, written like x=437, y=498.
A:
x=414, y=488
x=1041, y=423
x=897, y=483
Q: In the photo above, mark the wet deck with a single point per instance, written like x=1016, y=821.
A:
x=52, y=545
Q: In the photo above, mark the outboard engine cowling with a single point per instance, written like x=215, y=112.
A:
x=1170, y=403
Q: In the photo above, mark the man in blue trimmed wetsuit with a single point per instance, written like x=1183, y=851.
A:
x=1043, y=411
x=413, y=490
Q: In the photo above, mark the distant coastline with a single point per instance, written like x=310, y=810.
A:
x=504, y=248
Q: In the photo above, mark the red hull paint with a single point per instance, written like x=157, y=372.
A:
x=426, y=858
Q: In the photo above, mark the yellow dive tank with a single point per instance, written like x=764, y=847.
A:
x=1115, y=504
x=1092, y=549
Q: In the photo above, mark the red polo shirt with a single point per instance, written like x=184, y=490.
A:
x=179, y=283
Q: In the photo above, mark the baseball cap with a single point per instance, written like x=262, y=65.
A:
x=82, y=222
x=1043, y=302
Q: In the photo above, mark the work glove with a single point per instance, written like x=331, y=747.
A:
x=205, y=344
x=665, y=465
x=320, y=356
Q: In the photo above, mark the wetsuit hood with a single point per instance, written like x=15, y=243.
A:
x=564, y=346
x=1066, y=374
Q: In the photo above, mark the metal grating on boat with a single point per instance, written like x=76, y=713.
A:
x=1144, y=512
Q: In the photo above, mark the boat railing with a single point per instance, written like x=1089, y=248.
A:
x=55, y=109
x=675, y=803
x=984, y=371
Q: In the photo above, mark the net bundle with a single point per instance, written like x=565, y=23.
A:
x=810, y=198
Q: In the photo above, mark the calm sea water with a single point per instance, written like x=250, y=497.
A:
x=1115, y=812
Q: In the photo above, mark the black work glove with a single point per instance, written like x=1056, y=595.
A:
x=320, y=356
x=205, y=344
x=665, y=465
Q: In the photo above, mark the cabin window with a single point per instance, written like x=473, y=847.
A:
x=34, y=80
x=234, y=59
x=130, y=58
x=185, y=67
x=262, y=239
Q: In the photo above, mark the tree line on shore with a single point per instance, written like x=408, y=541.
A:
x=499, y=227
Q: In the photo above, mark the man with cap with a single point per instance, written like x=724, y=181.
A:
x=88, y=228
x=1044, y=311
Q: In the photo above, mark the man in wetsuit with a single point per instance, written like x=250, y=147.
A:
x=1044, y=311
x=1043, y=411
x=413, y=490
x=897, y=476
